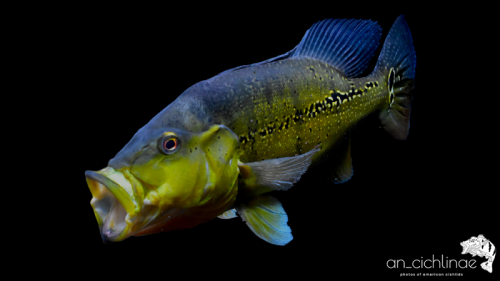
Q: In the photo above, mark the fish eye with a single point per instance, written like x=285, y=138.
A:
x=168, y=144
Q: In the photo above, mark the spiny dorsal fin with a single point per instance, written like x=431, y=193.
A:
x=266, y=217
x=274, y=174
x=347, y=45
x=340, y=169
x=229, y=214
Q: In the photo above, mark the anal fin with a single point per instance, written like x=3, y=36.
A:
x=339, y=165
x=266, y=217
x=229, y=214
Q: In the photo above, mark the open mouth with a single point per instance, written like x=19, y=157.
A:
x=113, y=206
x=124, y=207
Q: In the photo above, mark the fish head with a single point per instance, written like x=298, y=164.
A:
x=165, y=179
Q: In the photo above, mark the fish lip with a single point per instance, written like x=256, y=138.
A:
x=112, y=207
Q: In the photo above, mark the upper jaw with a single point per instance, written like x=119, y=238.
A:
x=114, y=202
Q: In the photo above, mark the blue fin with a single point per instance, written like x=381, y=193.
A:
x=396, y=65
x=265, y=216
x=347, y=45
x=229, y=214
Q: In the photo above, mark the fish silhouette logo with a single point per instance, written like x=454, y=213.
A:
x=482, y=247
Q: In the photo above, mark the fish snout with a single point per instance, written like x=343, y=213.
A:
x=118, y=163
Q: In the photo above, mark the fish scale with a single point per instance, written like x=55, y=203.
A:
x=276, y=119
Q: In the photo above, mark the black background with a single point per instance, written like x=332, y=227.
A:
x=409, y=199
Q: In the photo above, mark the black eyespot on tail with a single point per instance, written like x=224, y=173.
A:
x=391, y=80
x=397, y=63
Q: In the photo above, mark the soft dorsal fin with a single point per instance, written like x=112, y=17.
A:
x=229, y=214
x=274, y=174
x=266, y=217
x=340, y=167
x=347, y=45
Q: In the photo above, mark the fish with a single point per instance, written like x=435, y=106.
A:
x=225, y=143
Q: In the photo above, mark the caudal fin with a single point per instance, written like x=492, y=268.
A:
x=396, y=65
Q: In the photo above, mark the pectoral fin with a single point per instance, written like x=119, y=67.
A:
x=267, y=219
x=274, y=174
x=230, y=214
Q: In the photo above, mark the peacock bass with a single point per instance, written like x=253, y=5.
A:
x=227, y=141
